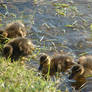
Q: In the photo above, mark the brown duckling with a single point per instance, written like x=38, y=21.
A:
x=81, y=71
x=12, y=30
x=59, y=63
x=77, y=74
x=15, y=29
x=18, y=47
x=86, y=61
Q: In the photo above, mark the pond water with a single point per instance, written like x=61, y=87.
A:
x=48, y=30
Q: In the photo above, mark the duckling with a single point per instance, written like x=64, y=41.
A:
x=81, y=71
x=15, y=29
x=77, y=74
x=18, y=47
x=59, y=63
x=86, y=61
x=12, y=30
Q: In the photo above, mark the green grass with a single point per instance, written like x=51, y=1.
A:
x=15, y=77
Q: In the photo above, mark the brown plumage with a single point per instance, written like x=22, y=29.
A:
x=59, y=63
x=81, y=71
x=86, y=61
x=12, y=30
x=78, y=75
x=15, y=29
x=17, y=48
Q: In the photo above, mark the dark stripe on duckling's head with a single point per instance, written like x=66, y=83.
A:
x=44, y=59
x=76, y=70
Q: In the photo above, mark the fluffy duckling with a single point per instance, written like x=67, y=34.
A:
x=81, y=71
x=17, y=48
x=86, y=61
x=78, y=75
x=60, y=63
x=15, y=29
x=12, y=30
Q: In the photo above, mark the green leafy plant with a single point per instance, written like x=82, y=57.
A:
x=15, y=77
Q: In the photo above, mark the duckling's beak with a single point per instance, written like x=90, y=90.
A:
x=40, y=67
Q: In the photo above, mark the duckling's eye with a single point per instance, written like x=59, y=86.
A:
x=78, y=70
x=78, y=62
x=43, y=58
x=75, y=68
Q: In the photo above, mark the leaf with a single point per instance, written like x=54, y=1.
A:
x=60, y=12
x=68, y=25
x=84, y=53
x=90, y=26
x=1, y=25
x=61, y=5
x=64, y=5
x=13, y=15
x=5, y=6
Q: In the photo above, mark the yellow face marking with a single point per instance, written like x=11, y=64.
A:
x=48, y=60
x=82, y=71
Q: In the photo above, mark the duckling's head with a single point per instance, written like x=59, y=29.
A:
x=76, y=71
x=67, y=63
x=44, y=62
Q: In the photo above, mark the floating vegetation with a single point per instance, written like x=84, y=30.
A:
x=84, y=53
x=71, y=26
x=91, y=27
x=66, y=9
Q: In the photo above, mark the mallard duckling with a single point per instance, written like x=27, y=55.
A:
x=86, y=61
x=12, y=30
x=60, y=63
x=81, y=71
x=15, y=29
x=77, y=74
x=18, y=47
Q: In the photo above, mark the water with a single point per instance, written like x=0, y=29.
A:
x=47, y=29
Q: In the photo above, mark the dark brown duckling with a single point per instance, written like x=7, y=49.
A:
x=81, y=71
x=15, y=29
x=12, y=30
x=59, y=63
x=18, y=47
x=78, y=75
